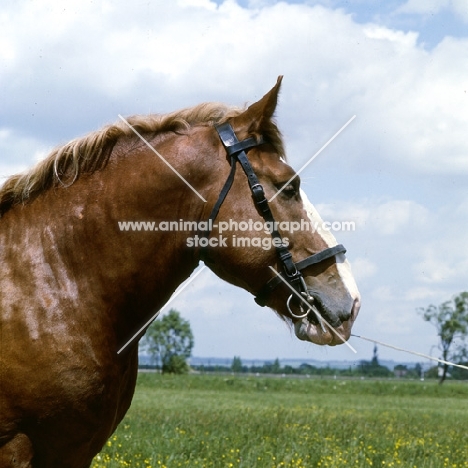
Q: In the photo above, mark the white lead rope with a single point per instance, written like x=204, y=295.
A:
x=411, y=352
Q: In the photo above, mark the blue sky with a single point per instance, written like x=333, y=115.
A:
x=400, y=170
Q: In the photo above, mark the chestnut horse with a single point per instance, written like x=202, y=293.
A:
x=74, y=286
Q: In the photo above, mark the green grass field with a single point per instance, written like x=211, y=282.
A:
x=219, y=421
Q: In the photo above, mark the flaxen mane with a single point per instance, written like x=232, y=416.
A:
x=90, y=153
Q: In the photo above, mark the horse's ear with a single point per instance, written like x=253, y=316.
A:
x=259, y=113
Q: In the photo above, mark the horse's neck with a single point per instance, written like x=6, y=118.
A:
x=148, y=264
x=76, y=229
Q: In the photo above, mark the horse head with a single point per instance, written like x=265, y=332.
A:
x=273, y=243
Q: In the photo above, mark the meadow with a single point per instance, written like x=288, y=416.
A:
x=241, y=421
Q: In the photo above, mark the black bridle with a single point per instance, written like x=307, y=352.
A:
x=290, y=271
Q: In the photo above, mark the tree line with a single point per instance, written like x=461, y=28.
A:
x=170, y=342
x=364, y=368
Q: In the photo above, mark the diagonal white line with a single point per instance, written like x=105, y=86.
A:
x=411, y=352
x=312, y=158
x=316, y=311
x=155, y=316
x=161, y=157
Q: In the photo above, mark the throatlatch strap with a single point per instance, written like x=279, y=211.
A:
x=215, y=210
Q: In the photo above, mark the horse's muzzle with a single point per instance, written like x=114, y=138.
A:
x=318, y=324
x=311, y=306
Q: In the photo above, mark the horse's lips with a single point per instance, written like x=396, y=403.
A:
x=307, y=331
x=314, y=333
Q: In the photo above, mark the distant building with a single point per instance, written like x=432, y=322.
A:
x=400, y=370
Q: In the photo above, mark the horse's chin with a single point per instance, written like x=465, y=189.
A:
x=307, y=331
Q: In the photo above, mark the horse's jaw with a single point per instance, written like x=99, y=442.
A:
x=323, y=334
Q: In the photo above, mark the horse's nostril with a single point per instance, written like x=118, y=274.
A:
x=318, y=314
x=336, y=323
x=355, y=309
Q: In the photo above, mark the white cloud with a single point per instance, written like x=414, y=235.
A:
x=422, y=293
x=443, y=254
x=363, y=268
x=442, y=263
x=460, y=7
x=344, y=211
x=432, y=7
x=405, y=41
x=18, y=152
x=391, y=217
x=410, y=103
x=380, y=217
x=424, y=6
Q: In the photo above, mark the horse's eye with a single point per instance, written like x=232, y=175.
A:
x=289, y=191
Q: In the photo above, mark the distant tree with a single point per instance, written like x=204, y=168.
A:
x=375, y=357
x=451, y=321
x=170, y=339
x=276, y=367
x=432, y=373
x=458, y=373
x=418, y=370
x=236, y=365
x=305, y=368
x=372, y=368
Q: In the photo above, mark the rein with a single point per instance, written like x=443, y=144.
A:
x=290, y=272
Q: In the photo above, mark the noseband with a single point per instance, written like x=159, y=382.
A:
x=290, y=271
